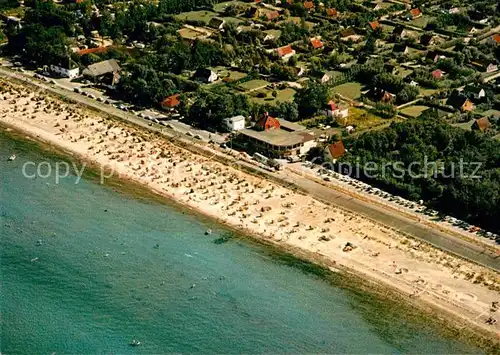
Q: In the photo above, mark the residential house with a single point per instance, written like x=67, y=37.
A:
x=349, y=34
x=453, y=10
x=437, y=74
x=471, y=29
x=205, y=75
x=170, y=102
x=494, y=40
x=475, y=92
x=285, y=52
x=332, y=12
x=106, y=72
x=374, y=25
x=413, y=14
x=478, y=17
x=235, y=123
x=401, y=48
x=375, y=6
x=254, y=12
x=96, y=50
x=434, y=56
x=334, y=151
x=382, y=95
x=399, y=32
x=309, y=6
x=276, y=138
x=481, y=124
x=487, y=66
x=326, y=76
x=316, y=43
x=460, y=102
x=217, y=23
x=272, y=15
x=66, y=69
x=299, y=71
x=428, y=39
x=333, y=109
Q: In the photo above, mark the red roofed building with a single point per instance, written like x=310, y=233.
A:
x=267, y=122
x=285, y=52
x=413, y=14
x=374, y=25
x=316, y=43
x=495, y=39
x=332, y=12
x=437, y=74
x=272, y=15
x=332, y=109
x=93, y=50
x=334, y=151
x=171, y=102
x=309, y=5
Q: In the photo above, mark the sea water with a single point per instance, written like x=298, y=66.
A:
x=85, y=269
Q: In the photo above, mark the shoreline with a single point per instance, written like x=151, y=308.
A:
x=392, y=299
x=324, y=258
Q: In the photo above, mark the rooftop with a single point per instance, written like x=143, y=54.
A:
x=278, y=137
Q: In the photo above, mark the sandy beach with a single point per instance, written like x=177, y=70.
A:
x=261, y=208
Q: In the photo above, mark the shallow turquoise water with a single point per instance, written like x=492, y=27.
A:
x=99, y=282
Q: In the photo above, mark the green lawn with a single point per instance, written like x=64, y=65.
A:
x=284, y=95
x=464, y=125
x=421, y=21
x=491, y=112
x=414, y=111
x=427, y=92
x=221, y=7
x=204, y=16
x=351, y=90
x=363, y=119
x=253, y=85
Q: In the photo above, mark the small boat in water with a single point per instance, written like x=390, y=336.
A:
x=12, y=157
x=135, y=342
x=208, y=232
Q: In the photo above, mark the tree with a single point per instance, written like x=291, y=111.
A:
x=312, y=98
x=41, y=45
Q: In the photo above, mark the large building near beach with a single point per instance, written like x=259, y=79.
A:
x=276, y=138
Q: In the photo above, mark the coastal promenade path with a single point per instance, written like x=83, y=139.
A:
x=476, y=252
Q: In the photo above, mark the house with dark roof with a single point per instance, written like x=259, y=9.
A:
x=460, y=102
x=434, y=56
x=428, y=39
x=106, y=71
x=216, y=23
x=254, y=12
x=401, y=48
x=66, y=68
x=481, y=124
x=205, y=75
x=349, y=34
x=486, y=66
x=475, y=92
x=399, y=32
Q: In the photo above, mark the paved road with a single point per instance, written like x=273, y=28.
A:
x=331, y=196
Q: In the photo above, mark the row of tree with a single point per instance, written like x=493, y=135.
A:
x=452, y=170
